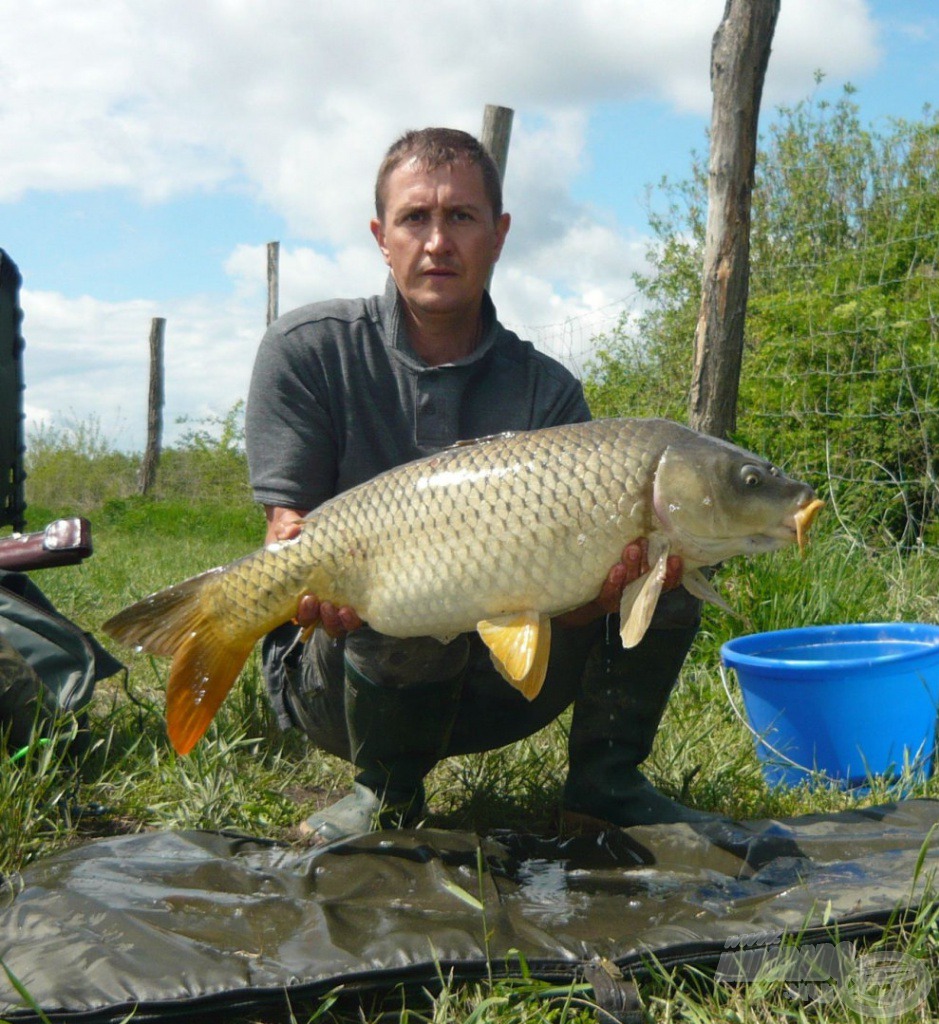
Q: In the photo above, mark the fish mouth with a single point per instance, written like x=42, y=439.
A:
x=803, y=520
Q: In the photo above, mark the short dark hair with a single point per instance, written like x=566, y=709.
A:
x=438, y=147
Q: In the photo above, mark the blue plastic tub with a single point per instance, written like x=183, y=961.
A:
x=851, y=701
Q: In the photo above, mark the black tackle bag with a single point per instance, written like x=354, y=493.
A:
x=67, y=660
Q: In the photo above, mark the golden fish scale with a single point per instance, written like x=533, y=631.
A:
x=532, y=520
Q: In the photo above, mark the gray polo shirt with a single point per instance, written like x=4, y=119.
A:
x=339, y=395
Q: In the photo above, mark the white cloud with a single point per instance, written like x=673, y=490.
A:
x=295, y=104
x=298, y=104
x=837, y=37
x=89, y=360
x=307, y=275
x=174, y=96
x=572, y=290
x=85, y=359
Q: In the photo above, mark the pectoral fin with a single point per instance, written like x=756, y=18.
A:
x=520, y=644
x=641, y=596
x=696, y=583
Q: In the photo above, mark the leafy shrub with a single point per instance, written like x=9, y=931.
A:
x=841, y=361
x=75, y=469
x=208, y=463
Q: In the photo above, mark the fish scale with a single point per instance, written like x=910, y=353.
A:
x=534, y=549
x=496, y=535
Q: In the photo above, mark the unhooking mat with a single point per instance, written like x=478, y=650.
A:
x=190, y=925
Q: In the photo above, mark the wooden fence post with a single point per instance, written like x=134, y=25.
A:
x=497, y=130
x=739, y=57
x=273, y=280
x=151, y=456
x=495, y=135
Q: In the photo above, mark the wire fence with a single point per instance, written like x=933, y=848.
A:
x=841, y=366
x=574, y=340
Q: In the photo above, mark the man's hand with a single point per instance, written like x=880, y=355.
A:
x=336, y=621
x=633, y=564
x=282, y=523
x=285, y=524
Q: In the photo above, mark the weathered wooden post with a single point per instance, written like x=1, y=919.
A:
x=497, y=130
x=495, y=135
x=739, y=58
x=151, y=456
x=273, y=280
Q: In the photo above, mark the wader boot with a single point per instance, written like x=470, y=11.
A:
x=396, y=735
x=616, y=717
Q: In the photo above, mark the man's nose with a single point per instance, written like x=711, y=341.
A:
x=438, y=239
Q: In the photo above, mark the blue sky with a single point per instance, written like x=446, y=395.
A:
x=152, y=149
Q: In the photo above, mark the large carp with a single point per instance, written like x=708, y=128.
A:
x=495, y=535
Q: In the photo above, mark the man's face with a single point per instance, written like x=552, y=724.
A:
x=439, y=237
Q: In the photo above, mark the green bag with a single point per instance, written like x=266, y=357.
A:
x=58, y=664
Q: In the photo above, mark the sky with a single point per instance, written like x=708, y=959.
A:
x=152, y=148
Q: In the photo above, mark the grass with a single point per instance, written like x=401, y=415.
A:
x=249, y=776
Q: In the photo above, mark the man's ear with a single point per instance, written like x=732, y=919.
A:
x=502, y=229
x=379, y=232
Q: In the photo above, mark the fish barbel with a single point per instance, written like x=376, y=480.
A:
x=496, y=535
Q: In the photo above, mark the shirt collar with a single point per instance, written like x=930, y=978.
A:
x=401, y=343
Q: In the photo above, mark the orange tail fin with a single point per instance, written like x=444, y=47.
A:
x=206, y=659
x=203, y=671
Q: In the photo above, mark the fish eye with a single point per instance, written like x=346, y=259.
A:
x=752, y=476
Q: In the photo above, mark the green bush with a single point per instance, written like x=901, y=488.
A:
x=74, y=470
x=841, y=362
x=208, y=463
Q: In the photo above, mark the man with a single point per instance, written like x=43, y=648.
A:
x=345, y=389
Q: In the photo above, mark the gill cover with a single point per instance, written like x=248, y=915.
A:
x=709, y=495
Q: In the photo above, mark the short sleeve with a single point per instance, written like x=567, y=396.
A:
x=289, y=435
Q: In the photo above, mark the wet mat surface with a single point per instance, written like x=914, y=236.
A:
x=180, y=924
